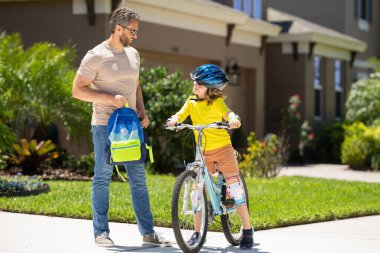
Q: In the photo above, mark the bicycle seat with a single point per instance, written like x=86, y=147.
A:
x=216, y=173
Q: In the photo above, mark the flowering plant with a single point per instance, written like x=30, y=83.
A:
x=293, y=131
x=262, y=158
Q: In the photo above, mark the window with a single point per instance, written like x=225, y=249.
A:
x=338, y=90
x=318, y=88
x=363, y=13
x=252, y=8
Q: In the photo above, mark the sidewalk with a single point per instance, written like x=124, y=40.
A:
x=24, y=233
x=331, y=171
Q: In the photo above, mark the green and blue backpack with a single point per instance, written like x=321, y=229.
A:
x=127, y=142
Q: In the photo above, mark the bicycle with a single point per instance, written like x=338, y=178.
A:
x=184, y=208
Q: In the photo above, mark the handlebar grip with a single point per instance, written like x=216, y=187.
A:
x=222, y=124
x=176, y=124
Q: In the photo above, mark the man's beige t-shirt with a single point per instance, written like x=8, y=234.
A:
x=113, y=72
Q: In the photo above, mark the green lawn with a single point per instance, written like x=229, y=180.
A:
x=276, y=202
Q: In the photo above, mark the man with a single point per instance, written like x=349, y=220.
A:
x=109, y=78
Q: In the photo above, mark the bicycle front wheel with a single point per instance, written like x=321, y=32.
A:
x=231, y=222
x=185, y=213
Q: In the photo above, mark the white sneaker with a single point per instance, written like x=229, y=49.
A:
x=103, y=240
x=155, y=239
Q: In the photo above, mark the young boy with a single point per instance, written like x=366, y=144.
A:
x=206, y=107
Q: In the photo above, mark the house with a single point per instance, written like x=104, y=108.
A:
x=312, y=61
x=359, y=19
x=321, y=50
x=179, y=34
x=271, y=49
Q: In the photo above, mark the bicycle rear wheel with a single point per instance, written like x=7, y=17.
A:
x=231, y=222
x=183, y=214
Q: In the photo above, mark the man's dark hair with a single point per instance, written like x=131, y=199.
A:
x=122, y=16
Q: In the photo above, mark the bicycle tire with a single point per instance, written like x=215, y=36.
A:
x=183, y=224
x=233, y=232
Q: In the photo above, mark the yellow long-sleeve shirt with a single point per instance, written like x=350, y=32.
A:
x=201, y=113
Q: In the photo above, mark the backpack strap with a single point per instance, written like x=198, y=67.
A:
x=118, y=172
x=149, y=148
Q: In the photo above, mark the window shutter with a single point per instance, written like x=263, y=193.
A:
x=369, y=11
x=357, y=9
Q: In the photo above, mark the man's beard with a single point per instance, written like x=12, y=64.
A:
x=125, y=41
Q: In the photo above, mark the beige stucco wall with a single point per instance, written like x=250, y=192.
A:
x=52, y=21
x=324, y=12
x=340, y=16
x=284, y=78
x=296, y=77
x=371, y=37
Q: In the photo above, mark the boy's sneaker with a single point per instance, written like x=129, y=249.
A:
x=155, y=239
x=193, y=239
x=246, y=242
x=103, y=240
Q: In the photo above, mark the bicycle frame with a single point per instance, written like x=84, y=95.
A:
x=204, y=178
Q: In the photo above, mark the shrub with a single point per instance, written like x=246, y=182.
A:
x=164, y=94
x=361, y=146
x=36, y=89
x=19, y=183
x=83, y=164
x=7, y=136
x=363, y=102
x=7, y=139
x=262, y=158
x=375, y=162
x=330, y=142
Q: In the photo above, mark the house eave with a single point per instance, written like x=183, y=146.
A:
x=204, y=17
x=327, y=40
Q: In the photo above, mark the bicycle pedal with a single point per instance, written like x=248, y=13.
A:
x=228, y=203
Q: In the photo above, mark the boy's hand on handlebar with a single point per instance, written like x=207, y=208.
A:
x=234, y=123
x=171, y=122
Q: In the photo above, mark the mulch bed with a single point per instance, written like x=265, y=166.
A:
x=49, y=173
x=45, y=188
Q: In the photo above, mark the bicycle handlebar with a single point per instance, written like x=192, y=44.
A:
x=181, y=126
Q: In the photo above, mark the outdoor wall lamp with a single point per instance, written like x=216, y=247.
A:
x=233, y=71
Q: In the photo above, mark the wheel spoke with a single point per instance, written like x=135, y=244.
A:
x=183, y=215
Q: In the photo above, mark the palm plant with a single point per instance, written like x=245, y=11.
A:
x=37, y=84
x=30, y=154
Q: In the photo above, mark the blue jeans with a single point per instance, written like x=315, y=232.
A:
x=100, y=188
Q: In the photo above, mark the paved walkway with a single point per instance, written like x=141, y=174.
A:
x=23, y=233
x=332, y=171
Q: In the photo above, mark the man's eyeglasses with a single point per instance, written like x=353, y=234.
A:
x=133, y=31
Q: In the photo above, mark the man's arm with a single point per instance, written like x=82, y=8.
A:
x=140, y=106
x=82, y=91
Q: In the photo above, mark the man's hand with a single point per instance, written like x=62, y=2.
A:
x=119, y=101
x=144, y=120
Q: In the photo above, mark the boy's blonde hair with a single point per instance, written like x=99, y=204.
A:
x=213, y=94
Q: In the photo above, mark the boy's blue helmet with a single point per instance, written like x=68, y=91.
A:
x=211, y=76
